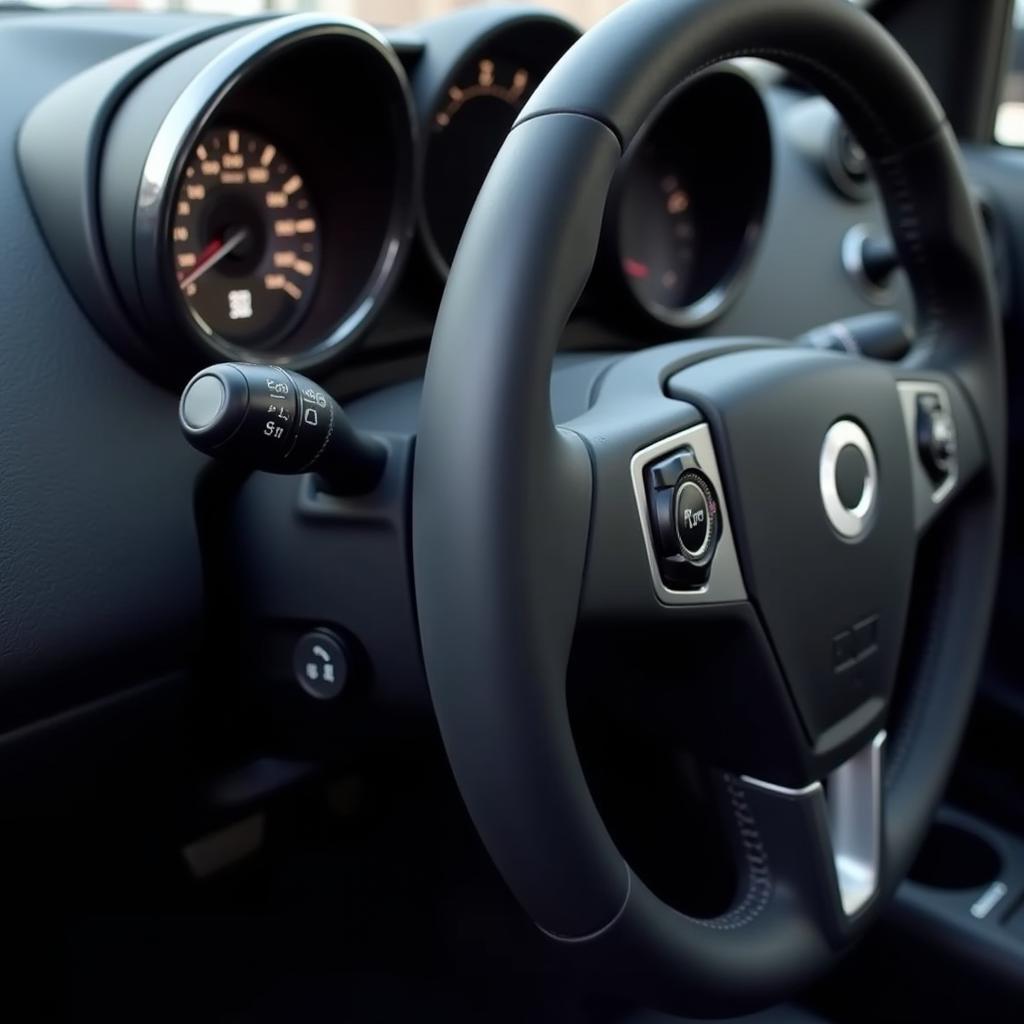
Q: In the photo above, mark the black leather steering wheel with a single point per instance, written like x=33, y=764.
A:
x=524, y=530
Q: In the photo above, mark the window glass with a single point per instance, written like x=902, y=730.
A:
x=1010, y=115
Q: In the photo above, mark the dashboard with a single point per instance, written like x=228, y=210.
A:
x=289, y=189
x=179, y=189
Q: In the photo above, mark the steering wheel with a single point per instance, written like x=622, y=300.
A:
x=769, y=498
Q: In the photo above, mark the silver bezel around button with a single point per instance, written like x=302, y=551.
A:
x=725, y=582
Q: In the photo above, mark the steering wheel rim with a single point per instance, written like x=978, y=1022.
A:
x=505, y=530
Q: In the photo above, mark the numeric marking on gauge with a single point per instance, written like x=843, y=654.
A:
x=678, y=202
x=245, y=238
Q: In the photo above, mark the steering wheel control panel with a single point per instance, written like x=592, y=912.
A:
x=685, y=519
x=936, y=437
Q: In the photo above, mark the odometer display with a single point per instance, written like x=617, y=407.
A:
x=245, y=239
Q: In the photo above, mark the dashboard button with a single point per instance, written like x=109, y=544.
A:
x=321, y=664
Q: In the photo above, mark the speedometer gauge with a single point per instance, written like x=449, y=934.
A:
x=245, y=238
x=257, y=204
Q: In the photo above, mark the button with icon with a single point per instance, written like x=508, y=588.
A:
x=321, y=664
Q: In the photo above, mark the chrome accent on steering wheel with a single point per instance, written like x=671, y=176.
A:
x=854, y=803
x=850, y=523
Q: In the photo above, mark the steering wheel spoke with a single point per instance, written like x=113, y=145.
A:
x=824, y=841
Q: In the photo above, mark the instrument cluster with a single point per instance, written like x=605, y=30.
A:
x=261, y=188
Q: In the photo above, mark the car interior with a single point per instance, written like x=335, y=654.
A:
x=511, y=512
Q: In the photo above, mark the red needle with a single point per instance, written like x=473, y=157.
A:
x=213, y=252
x=635, y=268
x=210, y=248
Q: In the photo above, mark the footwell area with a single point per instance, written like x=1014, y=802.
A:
x=371, y=901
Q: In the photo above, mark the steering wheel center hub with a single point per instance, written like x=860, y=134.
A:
x=848, y=478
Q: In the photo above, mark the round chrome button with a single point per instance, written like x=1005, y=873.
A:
x=848, y=478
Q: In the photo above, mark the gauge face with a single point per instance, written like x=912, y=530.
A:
x=690, y=200
x=658, y=231
x=467, y=130
x=245, y=239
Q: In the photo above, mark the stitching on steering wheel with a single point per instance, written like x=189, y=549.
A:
x=759, y=877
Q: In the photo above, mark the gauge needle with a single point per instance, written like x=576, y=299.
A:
x=635, y=268
x=214, y=252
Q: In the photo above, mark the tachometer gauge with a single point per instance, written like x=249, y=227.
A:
x=245, y=238
x=467, y=130
x=489, y=69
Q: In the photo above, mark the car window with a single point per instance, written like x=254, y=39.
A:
x=1010, y=115
x=378, y=12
